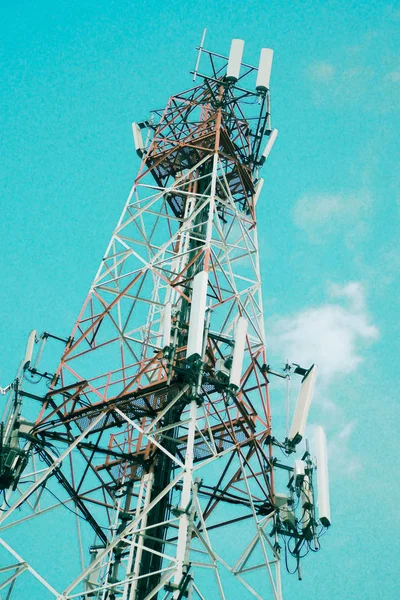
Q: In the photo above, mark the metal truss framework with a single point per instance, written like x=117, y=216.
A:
x=157, y=457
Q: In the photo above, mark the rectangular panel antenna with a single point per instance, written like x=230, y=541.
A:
x=138, y=139
x=29, y=349
x=238, y=352
x=303, y=406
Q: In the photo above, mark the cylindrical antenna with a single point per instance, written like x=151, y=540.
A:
x=268, y=146
x=264, y=70
x=324, y=509
x=287, y=403
x=235, y=60
x=197, y=315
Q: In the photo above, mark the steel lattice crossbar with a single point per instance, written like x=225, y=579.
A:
x=165, y=466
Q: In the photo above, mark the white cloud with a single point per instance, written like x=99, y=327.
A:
x=393, y=12
x=332, y=334
x=321, y=71
x=386, y=267
x=353, y=292
x=343, y=461
x=361, y=75
x=316, y=209
x=393, y=77
x=340, y=84
x=321, y=215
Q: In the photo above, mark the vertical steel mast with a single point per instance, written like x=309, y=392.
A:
x=156, y=428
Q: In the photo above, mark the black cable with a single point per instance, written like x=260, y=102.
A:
x=286, y=560
x=297, y=553
x=283, y=451
x=323, y=532
x=70, y=509
x=54, y=448
x=5, y=500
x=31, y=379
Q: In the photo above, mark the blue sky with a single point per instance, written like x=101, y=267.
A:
x=75, y=75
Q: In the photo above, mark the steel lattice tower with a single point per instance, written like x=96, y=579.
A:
x=156, y=427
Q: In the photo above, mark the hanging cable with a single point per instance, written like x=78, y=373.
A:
x=71, y=510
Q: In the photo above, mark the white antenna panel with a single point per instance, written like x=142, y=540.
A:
x=299, y=471
x=167, y=325
x=137, y=139
x=269, y=145
x=238, y=352
x=303, y=406
x=264, y=69
x=258, y=189
x=324, y=509
x=235, y=59
x=197, y=315
x=29, y=349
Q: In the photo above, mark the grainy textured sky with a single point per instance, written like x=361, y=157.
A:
x=73, y=77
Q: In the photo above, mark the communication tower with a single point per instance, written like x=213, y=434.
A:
x=142, y=465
